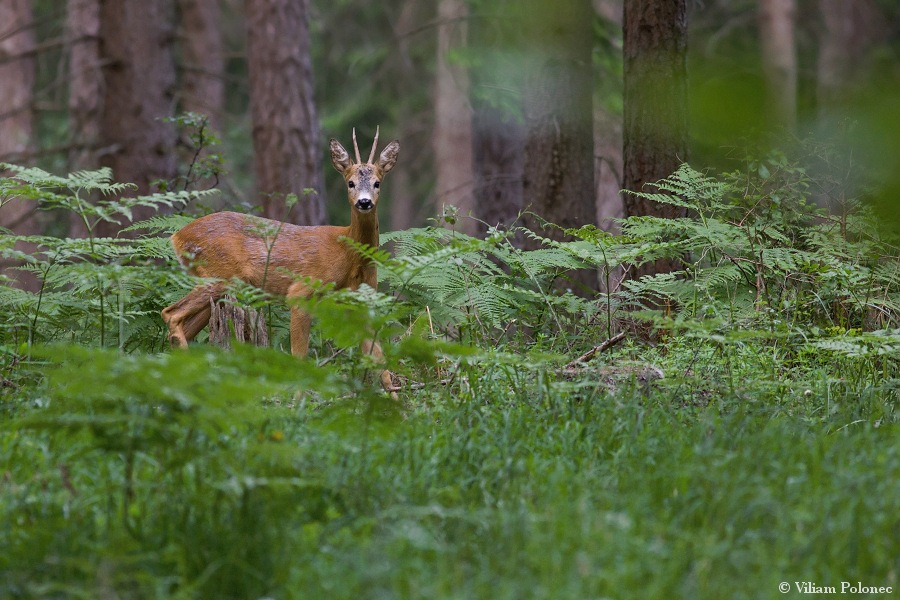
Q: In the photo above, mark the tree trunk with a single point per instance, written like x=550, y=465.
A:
x=405, y=209
x=85, y=91
x=453, y=117
x=85, y=81
x=139, y=82
x=17, y=77
x=16, y=121
x=608, y=167
x=608, y=135
x=229, y=321
x=203, y=56
x=287, y=153
x=498, y=154
x=558, y=175
x=849, y=31
x=779, y=59
x=655, y=105
x=498, y=132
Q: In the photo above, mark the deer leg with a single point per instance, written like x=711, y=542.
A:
x=300, y=320
x=189, y=315
x=300, y=323
x=373, y=348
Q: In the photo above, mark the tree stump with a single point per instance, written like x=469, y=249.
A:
x=229, y=321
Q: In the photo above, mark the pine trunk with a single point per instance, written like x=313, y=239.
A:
x=849, y=31
x=558, y=174
x=498, y=154
x=17, y=77
x=779, y=59
x=16, y=122
x=403, y=208
x=287, y=153
x=498, y=130
x=139, y=86
x=655, y=106
x=85, y=91
x=453, y=116
x=203, y=56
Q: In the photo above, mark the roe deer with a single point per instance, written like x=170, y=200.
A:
x=276, y=256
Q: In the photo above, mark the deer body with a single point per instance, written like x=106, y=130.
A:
x=277, y=256
x=268, y=254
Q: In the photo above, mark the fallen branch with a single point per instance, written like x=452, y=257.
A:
x=593, y=351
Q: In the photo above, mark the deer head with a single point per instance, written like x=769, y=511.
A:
x=364, y=178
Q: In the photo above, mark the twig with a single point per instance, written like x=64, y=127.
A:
x=593, y=351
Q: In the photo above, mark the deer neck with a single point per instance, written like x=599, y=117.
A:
x=364, y=228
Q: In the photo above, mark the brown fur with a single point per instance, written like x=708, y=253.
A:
x=225, y=245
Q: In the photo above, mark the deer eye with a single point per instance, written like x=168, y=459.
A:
x=377, y=184
x=350, y=184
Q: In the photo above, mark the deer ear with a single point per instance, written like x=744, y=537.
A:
x=339, y=157
x=388, y=157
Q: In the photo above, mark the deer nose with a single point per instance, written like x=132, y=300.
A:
x=364, y=204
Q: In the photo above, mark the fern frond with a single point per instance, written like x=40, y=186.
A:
x=155, y=225
x=689, y=189
x=99, y=180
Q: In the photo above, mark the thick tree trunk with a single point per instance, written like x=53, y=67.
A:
x=498, y=129
x=85, y=90
x=849, y=31
x=139, y=84
x=404, y=209
x=203, y=56
x=608, y=137
x=558, y=174
x=287, y=152
x=453, y=116
x=16, y=121
x=85, y=81
x=608, y=167
x=498, y=154
x=655, y=105
x=779, y=59
x=17, y=77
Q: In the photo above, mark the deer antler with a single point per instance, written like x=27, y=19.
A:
x=355, y=147
x=374, y=145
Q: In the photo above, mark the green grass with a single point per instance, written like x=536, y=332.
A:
x=551, y=489
x=766, y=454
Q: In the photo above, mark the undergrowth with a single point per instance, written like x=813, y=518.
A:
x=742, y=434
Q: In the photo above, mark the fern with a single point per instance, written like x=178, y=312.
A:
x=92, y=288
x=158, y=224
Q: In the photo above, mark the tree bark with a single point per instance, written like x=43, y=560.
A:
x=453, y=117
x=85, y=81
x=405, y=210
x=498, y=131
x=139, y=83
x=608, y=135
x=85, y=91
x=498, y=141
x=849, y=30
x=287, y=153
x=779, y=59
x=203, y=57
x=16, y=122
x=558, y=175
x=17, y=77
x=655, y=105
x=228, y=320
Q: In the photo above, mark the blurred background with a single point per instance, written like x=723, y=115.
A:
x=489, y=98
